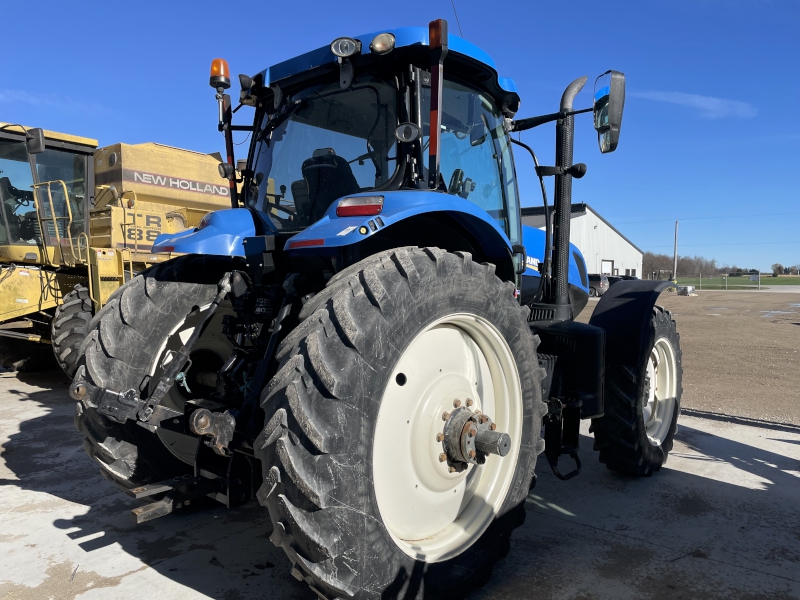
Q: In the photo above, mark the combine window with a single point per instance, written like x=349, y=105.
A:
x=18, y=222
x=65, y=174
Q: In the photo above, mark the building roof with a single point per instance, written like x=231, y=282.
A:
x=576, y=210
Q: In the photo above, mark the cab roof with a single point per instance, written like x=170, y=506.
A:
x=53, y=135
x=404, y=37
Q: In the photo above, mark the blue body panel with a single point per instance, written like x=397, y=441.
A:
x=400, y=205
x=221, y=232
x=533, y=240
x=404, y=36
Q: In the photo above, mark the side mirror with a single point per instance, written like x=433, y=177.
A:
x=34, y=141
x=609, y=100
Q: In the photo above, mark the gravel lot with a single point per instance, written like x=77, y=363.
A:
x=741, y=352
x=720, y=521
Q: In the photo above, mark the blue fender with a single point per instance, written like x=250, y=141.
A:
x=335, y=232
x=220, y=232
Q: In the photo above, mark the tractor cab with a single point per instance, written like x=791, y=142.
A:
x=324, y=143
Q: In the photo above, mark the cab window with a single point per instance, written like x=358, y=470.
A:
x=475, y=157
x=18, y=222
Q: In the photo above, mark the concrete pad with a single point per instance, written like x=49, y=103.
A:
x=719, y=521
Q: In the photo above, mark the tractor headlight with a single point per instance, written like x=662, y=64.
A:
x=344, y=47
x=382, y=43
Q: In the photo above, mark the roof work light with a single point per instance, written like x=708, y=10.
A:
x=345, y=47
x=383, y=43
x=220, y=74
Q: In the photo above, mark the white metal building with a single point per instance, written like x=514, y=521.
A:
x=604, y=249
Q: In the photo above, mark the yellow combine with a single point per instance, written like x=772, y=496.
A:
x=76, y=222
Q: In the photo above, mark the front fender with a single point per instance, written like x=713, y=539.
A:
x=220, y=232
x=624, y=312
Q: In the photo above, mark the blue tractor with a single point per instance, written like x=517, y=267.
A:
x=369, y=342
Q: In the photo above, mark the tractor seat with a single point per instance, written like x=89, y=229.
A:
x=328, y=178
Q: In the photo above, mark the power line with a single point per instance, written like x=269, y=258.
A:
x=747, y=244
x=457, y=21
x=704, y=218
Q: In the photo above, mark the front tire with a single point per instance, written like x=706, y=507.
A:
x=350, y=443
x=642, y=404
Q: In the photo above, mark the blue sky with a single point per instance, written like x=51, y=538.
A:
x=710, y=136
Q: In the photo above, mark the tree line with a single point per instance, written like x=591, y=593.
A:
x=692, y=266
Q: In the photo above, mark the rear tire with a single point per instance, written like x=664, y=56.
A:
x=70, y=326
x=642, y=404
x=125, y=340
x=592, y=292
x=325, y=446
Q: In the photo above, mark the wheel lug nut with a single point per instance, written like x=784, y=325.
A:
x=484, y=418
x=493, y=426
x=445, y=416
x=469, y=401
x=456, y=402
x=452, y=469
x=439, y=437
x=472, y=454
x=472, y=432
x=442, y=457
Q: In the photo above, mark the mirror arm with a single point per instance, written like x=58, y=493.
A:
x=532, y=122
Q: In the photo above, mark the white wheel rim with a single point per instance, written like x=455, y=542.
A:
x=432, y=514
x=659, y=402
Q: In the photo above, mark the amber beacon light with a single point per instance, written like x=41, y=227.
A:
x=220, y=74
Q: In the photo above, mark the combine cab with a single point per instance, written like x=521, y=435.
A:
x=370, y=344
x=76, y=222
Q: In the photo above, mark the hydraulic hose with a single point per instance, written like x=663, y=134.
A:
x=548, y=249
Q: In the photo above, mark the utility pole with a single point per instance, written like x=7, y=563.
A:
x=675, y=258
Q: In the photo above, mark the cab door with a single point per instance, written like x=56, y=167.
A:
x=62, y=198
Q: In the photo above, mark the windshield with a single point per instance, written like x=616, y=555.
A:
x=475, y=154
x=18, y=223
x=327, y=143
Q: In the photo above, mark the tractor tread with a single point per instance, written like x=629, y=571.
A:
x=315, y=479
x=112, y=356
x=620, y=436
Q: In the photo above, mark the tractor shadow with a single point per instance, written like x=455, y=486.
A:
x=719, y=521
x=587, y=521
x=218, y=552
